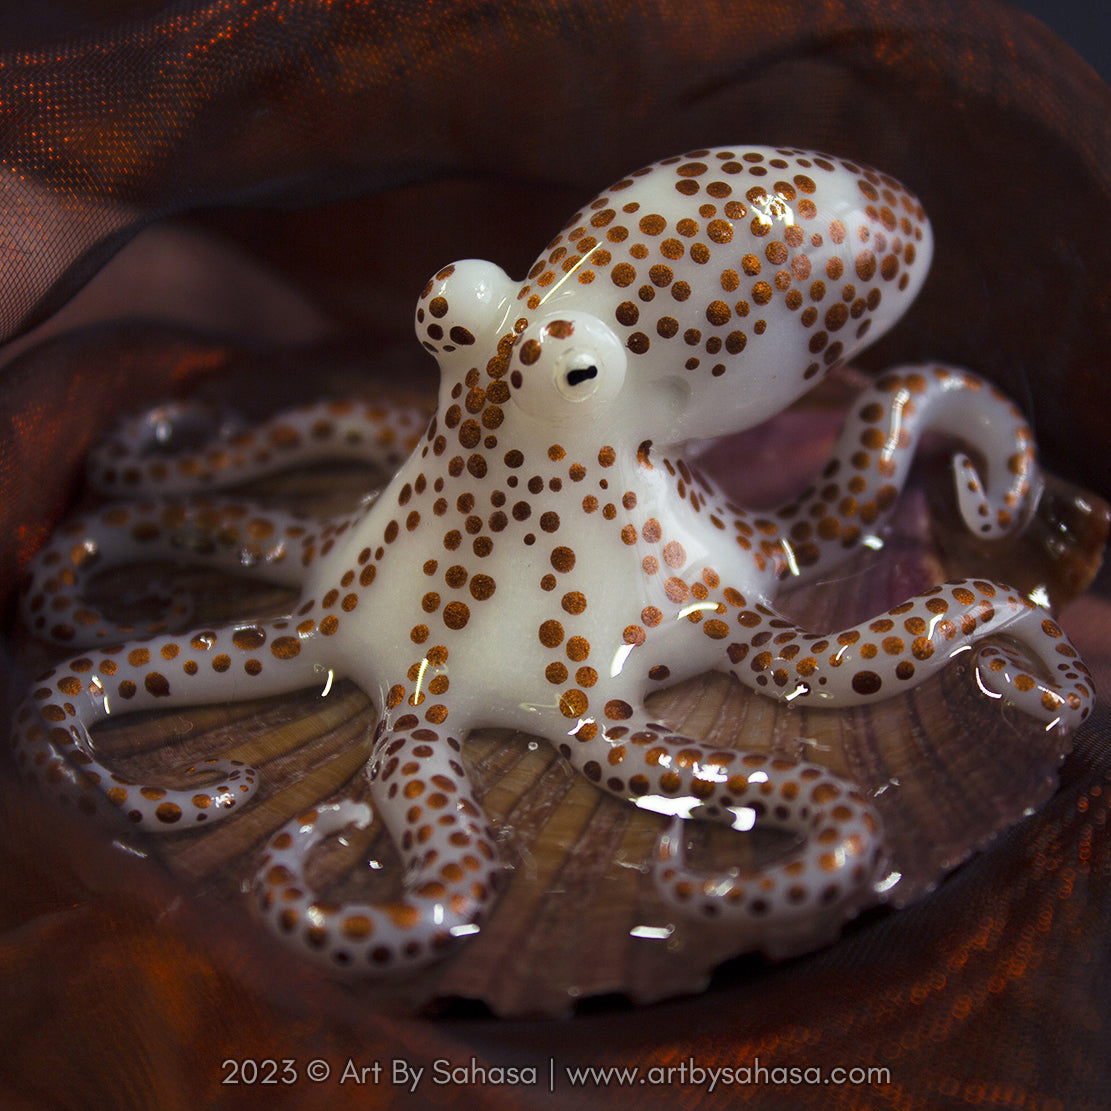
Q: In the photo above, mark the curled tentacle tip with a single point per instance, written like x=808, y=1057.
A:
x=1062, y=702
x=360, y=937
x=839, y=863
x=162, y=810
x=141, y=448
x=992, y=514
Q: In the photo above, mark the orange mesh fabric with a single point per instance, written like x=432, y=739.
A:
x=355, y=147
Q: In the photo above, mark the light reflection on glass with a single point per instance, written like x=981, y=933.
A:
x=653, y=933
x=619, y=658
x=685, y=808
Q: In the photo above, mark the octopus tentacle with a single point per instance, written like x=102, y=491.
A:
x=52, y=727
x=841, y=850
x=897, y=650
x=861, y=484
x=140, y=458
x=234, y=536
x=450, y=863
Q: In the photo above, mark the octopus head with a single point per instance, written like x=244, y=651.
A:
x=696, y=297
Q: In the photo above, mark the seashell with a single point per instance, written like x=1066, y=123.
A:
x=578, y=914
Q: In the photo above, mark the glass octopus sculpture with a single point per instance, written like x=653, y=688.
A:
x=547, y=555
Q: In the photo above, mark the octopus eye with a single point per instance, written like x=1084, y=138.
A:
x=566, y=362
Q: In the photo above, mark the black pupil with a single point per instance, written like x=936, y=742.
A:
x=581, y=374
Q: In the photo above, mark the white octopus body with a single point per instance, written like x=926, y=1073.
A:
x=547, y=555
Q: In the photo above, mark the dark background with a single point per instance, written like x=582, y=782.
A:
x=1084, y=24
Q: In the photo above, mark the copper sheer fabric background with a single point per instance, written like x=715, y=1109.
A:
x=353, y=148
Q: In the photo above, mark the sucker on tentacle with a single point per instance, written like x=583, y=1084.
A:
x=547, y=555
